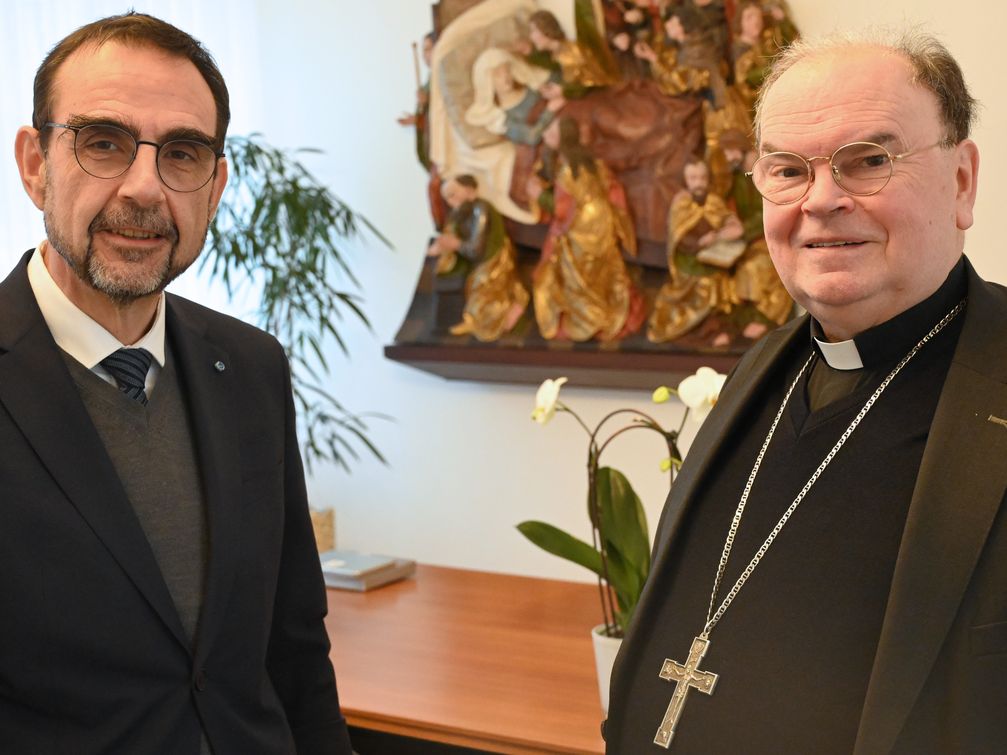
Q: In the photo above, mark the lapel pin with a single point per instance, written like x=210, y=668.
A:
x=219, y=366
x=997, y=420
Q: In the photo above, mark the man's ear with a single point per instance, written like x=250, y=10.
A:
x=966, y=181
x=31, y=163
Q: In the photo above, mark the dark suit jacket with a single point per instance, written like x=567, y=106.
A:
x=939, y=681
x=93, y=657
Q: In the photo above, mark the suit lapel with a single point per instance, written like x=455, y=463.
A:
x=747, y=380
x=37, y=391
x=958, y=492
x=208, y=387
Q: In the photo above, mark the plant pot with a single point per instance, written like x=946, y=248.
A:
x=605, y=650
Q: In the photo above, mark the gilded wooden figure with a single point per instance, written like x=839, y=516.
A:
x=474, y=243
x=582, y=288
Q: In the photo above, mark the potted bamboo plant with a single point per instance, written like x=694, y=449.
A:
x=279, y=229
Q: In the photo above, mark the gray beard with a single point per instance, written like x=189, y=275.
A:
x=120, y=289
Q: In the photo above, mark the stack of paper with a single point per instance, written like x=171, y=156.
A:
x=348, y=570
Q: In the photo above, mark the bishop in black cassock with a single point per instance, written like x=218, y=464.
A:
x=876, y=620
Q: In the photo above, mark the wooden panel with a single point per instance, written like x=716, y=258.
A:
x=595, y=369
x=523, y=356
x=490, y=661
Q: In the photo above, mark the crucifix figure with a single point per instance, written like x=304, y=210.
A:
x=685, y=677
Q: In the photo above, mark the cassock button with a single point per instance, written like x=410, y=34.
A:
x=200, y=681
x=219, y=366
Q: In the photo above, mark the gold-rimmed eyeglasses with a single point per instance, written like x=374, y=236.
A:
x=860, y=168
x=106, y=151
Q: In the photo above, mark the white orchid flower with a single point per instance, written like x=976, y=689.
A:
x=546, y=400
x=700, y=392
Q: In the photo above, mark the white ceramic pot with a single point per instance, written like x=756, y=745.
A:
x=605, y=650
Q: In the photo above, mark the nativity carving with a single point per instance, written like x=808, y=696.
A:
x=593, y=153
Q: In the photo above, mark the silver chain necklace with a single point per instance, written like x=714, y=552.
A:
x=688, y=676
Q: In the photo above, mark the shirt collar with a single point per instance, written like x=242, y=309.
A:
x=76, y=333
x=893, y=338
x=842, y=355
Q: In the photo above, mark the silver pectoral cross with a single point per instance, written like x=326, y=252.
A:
x=685, y=677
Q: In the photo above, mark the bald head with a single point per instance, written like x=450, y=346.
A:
x=930, y=64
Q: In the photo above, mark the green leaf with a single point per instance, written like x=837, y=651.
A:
x=627, y=584
x=623, y=578
x=559, y=543
x=623, y=519
x=627, y=544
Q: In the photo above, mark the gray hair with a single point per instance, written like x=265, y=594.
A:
x=932, y=64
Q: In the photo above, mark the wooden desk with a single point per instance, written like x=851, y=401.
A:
x=488, y=661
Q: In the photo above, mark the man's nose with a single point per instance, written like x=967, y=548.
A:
x=825, y=195
x=141, y=182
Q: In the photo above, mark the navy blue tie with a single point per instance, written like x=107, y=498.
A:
x=129, y=368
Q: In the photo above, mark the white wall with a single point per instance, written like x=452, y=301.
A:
x=466, y=463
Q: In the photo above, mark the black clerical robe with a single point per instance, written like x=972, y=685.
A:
x=918, y=664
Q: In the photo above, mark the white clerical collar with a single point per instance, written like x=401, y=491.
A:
x=76, y=333
x=843, y=355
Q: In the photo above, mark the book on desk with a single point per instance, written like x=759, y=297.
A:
x=348, y=570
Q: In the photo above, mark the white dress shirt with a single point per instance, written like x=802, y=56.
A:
x=80, y=336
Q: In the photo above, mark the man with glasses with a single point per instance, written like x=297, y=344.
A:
x=830, y=570
x=160, y=586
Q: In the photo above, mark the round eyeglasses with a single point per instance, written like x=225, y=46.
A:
x=106, y=151
x=860, y=168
